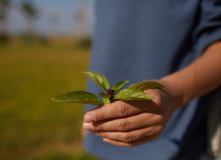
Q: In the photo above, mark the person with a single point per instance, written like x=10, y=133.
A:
x=176, y=43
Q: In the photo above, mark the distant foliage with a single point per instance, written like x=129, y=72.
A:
x=4, y=5
x=30, y=12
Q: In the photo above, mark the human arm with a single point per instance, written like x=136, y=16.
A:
x=138, y=122
x=200, y=77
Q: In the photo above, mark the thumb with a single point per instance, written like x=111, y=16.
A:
x=116, y=109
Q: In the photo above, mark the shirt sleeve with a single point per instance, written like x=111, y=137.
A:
x=208, y=28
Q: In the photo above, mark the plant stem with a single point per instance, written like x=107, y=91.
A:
x=111, y=98
x=112, y=93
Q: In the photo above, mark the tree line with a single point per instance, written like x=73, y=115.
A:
x=31, y=13
x=27, y=8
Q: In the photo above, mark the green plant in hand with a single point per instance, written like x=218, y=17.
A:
x=132, y=93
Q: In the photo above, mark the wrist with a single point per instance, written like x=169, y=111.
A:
x=175, y=92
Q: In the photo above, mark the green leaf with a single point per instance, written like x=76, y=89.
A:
x=102, y=94
x=78, y=97
x=132, y=95
x=146, y=85
x=106, y=100
x=99, y=79
x=119, y=85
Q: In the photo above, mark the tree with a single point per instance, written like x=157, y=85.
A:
x=82, y=19
x=4, y=6
x=53, y=21
x=30, y=12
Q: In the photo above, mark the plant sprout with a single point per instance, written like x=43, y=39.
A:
x=132, y=93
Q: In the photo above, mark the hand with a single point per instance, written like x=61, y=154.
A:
x=133, y=123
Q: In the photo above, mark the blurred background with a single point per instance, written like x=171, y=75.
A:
x=44, y=47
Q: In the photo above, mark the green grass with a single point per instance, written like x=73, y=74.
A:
x=31, y=125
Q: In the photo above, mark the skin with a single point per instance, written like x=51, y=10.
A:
x=134, y=123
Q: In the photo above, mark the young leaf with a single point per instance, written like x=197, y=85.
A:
x=146, y=85
x=99, y=79
x=129, y=94
x=106, y=100
x=78, y=97
x=102, y=94
x=119, y=85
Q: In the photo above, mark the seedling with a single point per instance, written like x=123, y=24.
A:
x=132, y=93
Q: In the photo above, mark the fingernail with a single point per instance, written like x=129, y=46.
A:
x=89, y=118
x=87, y=126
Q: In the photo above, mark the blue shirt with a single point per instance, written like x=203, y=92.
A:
x=149, y=39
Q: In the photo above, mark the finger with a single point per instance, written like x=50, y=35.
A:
x=116, y=110
x=140, y=120
x=131, y=144
x=131, y=136
x=83, y=133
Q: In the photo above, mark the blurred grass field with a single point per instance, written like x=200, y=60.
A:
x=32, y=127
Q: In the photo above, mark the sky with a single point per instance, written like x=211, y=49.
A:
x=64, y=9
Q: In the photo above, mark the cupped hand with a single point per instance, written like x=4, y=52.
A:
x=133, y=123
